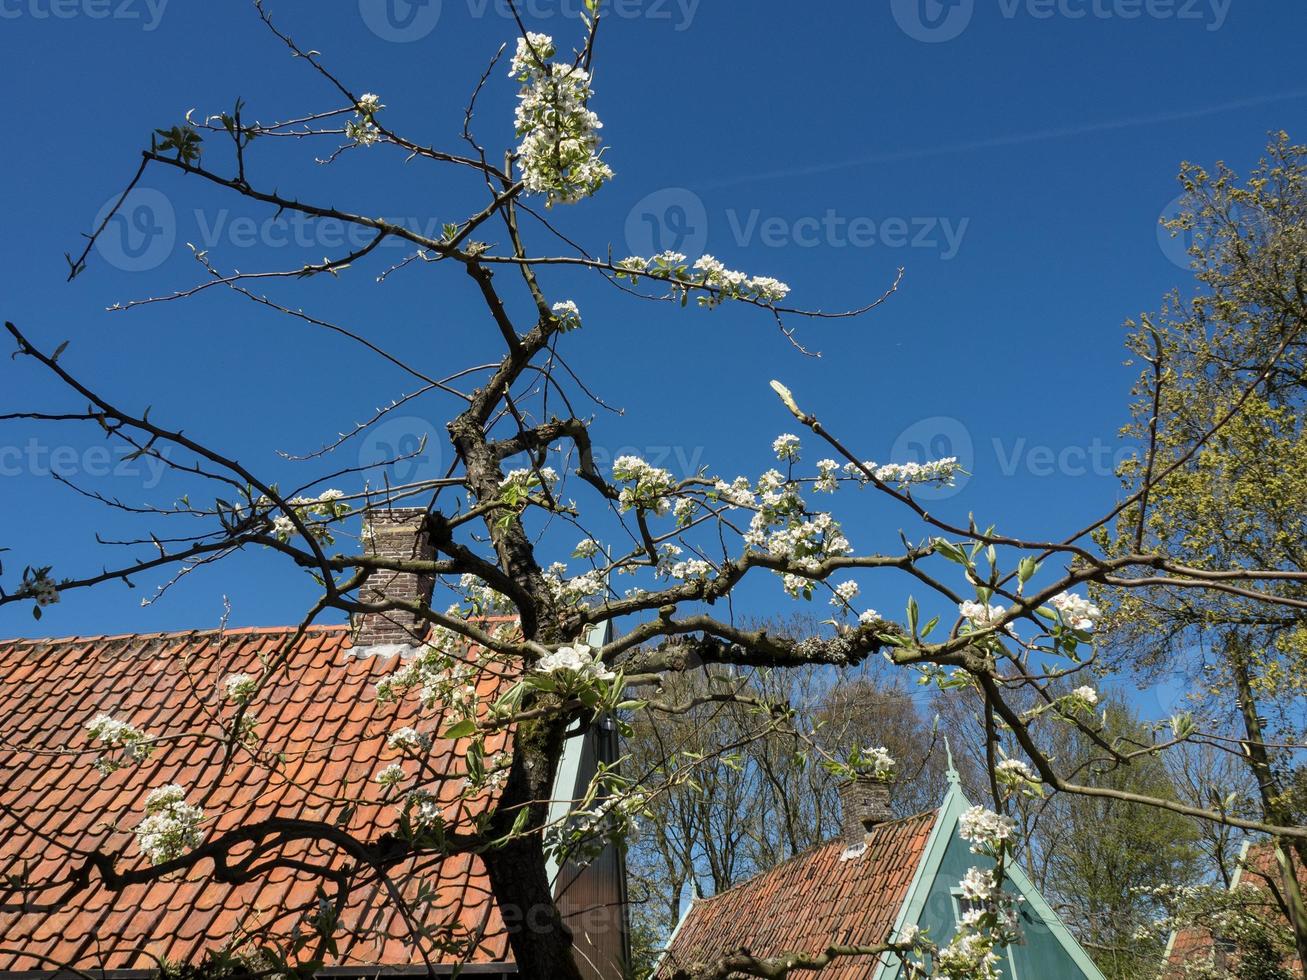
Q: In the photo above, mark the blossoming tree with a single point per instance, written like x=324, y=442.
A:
x=1015, y=615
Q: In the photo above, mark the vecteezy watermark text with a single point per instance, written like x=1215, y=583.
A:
x=147, y=12
x=935, y=21
x=676, y=219
x=37, y=459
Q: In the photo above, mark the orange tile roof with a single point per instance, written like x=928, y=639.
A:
x=323, y=741
x=809, y=902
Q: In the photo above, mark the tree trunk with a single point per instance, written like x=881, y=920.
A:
x=519, y=879
x=541, y=941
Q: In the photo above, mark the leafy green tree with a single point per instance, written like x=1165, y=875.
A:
x=1223, y=483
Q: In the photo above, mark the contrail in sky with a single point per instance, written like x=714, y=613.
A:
x=1014, y=139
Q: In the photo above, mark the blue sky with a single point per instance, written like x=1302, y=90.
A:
x=1014, y=156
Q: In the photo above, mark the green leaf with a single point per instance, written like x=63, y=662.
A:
x=461, y=729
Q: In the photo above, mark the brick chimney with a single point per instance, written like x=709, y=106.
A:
x=398, y=533
x=865, y=803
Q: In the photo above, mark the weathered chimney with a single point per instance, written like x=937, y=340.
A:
x=865, y=803
x=397, y=533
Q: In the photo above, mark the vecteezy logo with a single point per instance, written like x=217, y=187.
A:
x=1175, y=244
x=401, y=451
x=933, y=21
x=936, y=438
x=140, y=234
x=402, y=21
x=670, y=220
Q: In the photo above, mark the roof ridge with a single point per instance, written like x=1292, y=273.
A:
x=809, y=852
x=174, y=634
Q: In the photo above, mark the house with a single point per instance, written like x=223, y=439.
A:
x=322, y=741
x=1256, y=887
x=881, y=876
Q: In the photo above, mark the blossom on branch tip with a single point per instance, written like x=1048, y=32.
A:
x=408, y=740
x=240, y=687
x=171, y=826
x=1077, y=612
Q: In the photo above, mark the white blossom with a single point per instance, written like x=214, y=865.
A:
x=827, y=476
x=985, y=828
x=408, y=739
x=559, y=154
x=935, y=471
x=240, y=687
x=392, y=775
x=1086, y=694
x=1077, y=612
x=576, y=661
x=369, y=103
x=786, y=447
x=119, y=735
x=568, y=315
x=980, y=614
x=171, y=826
x=845, y=593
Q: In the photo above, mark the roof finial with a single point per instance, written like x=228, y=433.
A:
x=953, y=778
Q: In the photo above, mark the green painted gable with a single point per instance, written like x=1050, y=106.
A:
x=1048, y=952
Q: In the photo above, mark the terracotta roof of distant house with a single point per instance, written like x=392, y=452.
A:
x=825, y=895
x=1257, y=867
x=323, y=734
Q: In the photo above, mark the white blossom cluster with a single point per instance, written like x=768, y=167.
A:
x=423, y=809
x=933, y=471
x=844, y=593
x=443, y=676
x=828, y=480
x=315, y=513
x=1084, y=698
x=647, y=486
x=391, y=776
x=361, y=129
x=980, y=614
x=583, y=834
x=786, y=447
x=708, y=274
x=559, y=154
x=693, y=568
x=526, y=479
x=494, y=777
x=171, y=826
x=684, y=510
x=240, y=687
x=573, y=590
x=408, y=740
x=1077, y=612
x=568, y=315
x=991, y=918
x=783, y=528
x=575, y=662
x=986, y=830
x=118, y=735
x=738, y=493
x=1010, y=769
x=875, y=762
x=40, y=586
